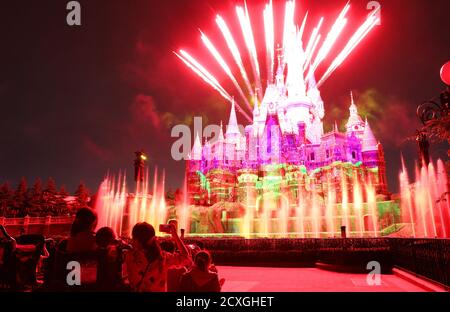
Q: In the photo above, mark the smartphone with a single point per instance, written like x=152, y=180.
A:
x=165, y=228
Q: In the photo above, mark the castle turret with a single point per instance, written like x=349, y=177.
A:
x=369, y=147
x=193, y=167
x=355, y=123
x=270, y=142
x=232, y=133
x=195, y=156
x=382, y=181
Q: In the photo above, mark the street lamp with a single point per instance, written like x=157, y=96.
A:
x=431, y=111
x=139, y=165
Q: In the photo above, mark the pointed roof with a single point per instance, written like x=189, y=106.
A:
x=221, y=138
x=207, y=145
x=369, y=142
x=354, y=118
x=196, y=153
x=232, y=127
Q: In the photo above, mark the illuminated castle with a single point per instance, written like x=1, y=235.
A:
x=285, y=149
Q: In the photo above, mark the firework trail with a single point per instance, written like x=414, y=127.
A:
x=269, y=32
x=212, y=49
x=244, y=21
x=208, y=78
x=359, y=35
x=331, y=38
x=231, y=43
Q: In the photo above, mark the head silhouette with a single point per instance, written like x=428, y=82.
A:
x=143, y=235
x=202, y=260
x=85, y=221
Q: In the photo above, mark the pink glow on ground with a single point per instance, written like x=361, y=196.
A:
x=260, y=279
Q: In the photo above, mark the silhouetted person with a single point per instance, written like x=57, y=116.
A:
x=147, y=264
x=200, y=278
x=105, y=237
x=82, y=235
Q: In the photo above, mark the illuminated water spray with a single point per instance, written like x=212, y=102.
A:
x=121, y=209
x=425, y=202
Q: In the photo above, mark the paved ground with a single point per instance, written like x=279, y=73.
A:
x=255, y=279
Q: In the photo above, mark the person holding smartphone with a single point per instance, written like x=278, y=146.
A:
x=146, y=264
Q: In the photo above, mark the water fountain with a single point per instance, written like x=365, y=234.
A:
x=120, y=210
x=425, y=203
x=277, y=212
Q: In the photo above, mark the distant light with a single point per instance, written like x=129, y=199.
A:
x=445, y=73
x=143, y=157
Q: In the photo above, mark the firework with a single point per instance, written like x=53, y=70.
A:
x=224, y=66
x=234, y=51
x=312, y=43
x=244, y=21
x=359, y=35
x=208, y=78
x=292, y=48
x=270, y=40
x=331, y=38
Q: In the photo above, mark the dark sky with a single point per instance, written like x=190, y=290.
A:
x=78, y=101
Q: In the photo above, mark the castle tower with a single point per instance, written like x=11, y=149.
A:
x=193, y=167
x=355, y=123
x=232, y=133
x=369, y=147
x=298, y=105
x=382, y=181
x=317, y=109
x=219, y=149
x=270, y=141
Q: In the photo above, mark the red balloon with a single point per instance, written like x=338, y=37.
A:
x=445, y=73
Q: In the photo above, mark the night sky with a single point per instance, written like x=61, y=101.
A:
x=78, y=101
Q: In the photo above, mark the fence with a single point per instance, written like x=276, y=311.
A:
x=37, y=225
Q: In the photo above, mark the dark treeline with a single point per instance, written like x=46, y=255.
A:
x=40, y=199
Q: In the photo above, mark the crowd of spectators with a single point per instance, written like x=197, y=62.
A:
x=144, y=263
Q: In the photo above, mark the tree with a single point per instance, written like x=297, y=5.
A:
x=20, y=197
x=6, y=197
x=36, y=190
x=51, y=186
x=61, y=204
x=63, y=192
x=49, y=204
x=82, y=194
x=36, y=201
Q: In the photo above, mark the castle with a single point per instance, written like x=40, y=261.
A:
x=285, y=149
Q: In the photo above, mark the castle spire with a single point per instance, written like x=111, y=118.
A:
x=255, y=106
x=221, y=138
x=196, y=153
x=355, y=122
x=369, y=142
x=232, y=127
x=353, y=109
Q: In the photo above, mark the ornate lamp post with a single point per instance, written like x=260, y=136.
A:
x=432, y=111
x=139, y=165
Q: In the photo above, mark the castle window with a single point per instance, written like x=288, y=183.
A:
x=328, y=153
x=353, y=154
x=311, y=157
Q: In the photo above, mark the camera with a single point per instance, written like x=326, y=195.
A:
x=165, y=228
